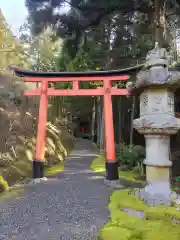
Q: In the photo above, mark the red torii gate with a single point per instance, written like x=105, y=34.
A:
x=44, y=91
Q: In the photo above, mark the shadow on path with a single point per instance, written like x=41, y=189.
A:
x=73, y=206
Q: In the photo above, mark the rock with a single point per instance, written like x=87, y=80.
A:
x=176, y=221
x=113, y=184
x=154, y=200
x=177, y=201
x=38, y=180
x=134, y=213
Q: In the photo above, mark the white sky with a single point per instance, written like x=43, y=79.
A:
x=14, y=12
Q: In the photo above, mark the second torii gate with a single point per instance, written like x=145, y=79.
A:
x=107, y=91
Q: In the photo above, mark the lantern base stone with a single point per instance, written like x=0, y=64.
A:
x=157, y=193
x=158, y=190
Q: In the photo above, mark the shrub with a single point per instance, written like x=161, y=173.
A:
x=140, y=150
x=121, y=153
x=178, y=179
x=131, y=156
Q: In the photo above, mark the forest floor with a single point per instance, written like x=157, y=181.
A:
x=70, y=205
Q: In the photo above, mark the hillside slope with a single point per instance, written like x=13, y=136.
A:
x=18, y=132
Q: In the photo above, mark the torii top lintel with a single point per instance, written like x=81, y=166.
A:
x=76, y=77
x=34, y=74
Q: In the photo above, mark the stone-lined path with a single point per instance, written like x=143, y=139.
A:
x=72, y=206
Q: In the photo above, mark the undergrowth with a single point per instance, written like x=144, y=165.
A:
x=98, y=165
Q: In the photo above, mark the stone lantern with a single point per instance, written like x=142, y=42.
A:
x=156, y=85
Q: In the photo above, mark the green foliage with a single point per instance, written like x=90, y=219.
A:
x=130, y=19
x=42, y=49
x=80, y=107
x=130, y=155
x=130, y=177
x=178, y=179
x=98, y=36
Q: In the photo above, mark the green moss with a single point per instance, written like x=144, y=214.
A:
x=124, y=199
x=162, y=212
x=11, y=193
x=111, y=232
x=54, y=170
x=161, y=230
x=3, y=185
x=98, y=164
x=159, y=224
x=130, y=176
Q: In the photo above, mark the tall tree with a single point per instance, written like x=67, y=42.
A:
x=43, y=49
x=83, y=15
x=11, y=50
x=106, y=35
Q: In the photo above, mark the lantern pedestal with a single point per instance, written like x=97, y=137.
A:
x=157, y=122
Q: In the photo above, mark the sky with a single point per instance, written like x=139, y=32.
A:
x=14, y=12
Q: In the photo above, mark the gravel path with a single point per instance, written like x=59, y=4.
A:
x=72, y=206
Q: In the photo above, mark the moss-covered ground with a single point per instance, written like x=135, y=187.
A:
x=98, y=165
x=49, y=171
x=156, y=225
x=157, y=222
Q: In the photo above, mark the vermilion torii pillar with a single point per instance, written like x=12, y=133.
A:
x=107, y=91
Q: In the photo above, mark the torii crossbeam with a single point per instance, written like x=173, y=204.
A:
x=107, y=91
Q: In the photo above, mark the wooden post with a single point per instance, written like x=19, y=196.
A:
x=111, y=163
x=38, y=163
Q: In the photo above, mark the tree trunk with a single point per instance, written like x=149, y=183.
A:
x=93, y=119
x=132, y=118
x=120, y=122
x=102, y=129
x=98, y=120
x=159, y=11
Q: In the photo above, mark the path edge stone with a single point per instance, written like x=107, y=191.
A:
x=114, y=184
